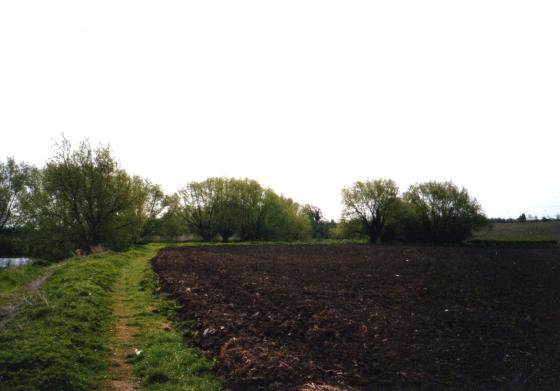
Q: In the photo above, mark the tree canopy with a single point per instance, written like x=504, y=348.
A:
x=371, y=202
x=82, y=200
x=446, y=213
x=229, y=206
x=13, y=184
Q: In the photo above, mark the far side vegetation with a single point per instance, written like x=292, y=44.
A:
x=433, y=212
x=83, y=201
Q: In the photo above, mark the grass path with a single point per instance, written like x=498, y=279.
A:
x=123, y=331
x=146, y=351
x=81, y=329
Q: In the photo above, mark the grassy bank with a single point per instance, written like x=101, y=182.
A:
x=63, y=338
x=58, y=342
x=13, y=280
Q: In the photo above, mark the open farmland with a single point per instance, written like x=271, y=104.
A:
x=371, y=317
x=527, y=231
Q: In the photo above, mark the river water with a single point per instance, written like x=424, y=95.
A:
x=13, y=262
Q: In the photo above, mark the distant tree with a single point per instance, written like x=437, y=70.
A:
x=314, y=213
x=403, y=223
x=250, y=198
x=13, y=184
x=148, y=204
x=170, y=223
x=224, y=206
x=371, y=202
x=319, y=227
x=199, y=207
x=83, y=200
x=522, y=218
x=280, y=218
x=228, y=207
x=446, y=213
x=348, y=229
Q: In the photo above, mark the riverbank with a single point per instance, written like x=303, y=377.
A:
x=96, y=324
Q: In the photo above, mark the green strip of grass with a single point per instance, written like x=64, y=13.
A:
x=59, y=342
x=165, y=362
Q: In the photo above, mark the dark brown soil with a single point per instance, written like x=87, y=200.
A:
x=358, y=317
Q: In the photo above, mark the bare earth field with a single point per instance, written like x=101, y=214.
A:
x=359, y=317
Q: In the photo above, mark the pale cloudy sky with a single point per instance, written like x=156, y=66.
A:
x=304, y=96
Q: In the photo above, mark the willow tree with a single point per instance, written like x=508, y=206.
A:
x=447, y=213
x=83, y=200
x=13, y=184
x=198, y=207
x=229, y=206
x=222, y=206
x=371, y=202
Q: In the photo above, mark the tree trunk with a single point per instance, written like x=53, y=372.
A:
x=226, y=235
x=373, y=233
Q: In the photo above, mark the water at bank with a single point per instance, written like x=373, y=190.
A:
x=6, y=263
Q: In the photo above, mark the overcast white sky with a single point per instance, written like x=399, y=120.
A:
x=304, y=96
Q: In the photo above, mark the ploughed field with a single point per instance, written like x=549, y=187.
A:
x=360, y=317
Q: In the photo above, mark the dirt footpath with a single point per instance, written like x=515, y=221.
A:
x=357, y=317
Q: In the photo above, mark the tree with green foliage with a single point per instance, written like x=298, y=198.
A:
x=198, y=207
x=445, y=212
x=151, y=204
x=371, y=202
x=282, y=219
x=13, y=184
x=170, y=224
x=83, y=200
x=250, y=204
x=348, y=229
x=228, y=207
x=319, y=226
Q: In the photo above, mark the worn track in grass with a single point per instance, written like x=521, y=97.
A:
x=147, y=353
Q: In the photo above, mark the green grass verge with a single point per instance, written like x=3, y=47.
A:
x=166, y=362
x=59, y=342
x=528, y=231
x=13, y=280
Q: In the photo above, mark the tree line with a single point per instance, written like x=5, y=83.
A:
x=82, y=201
